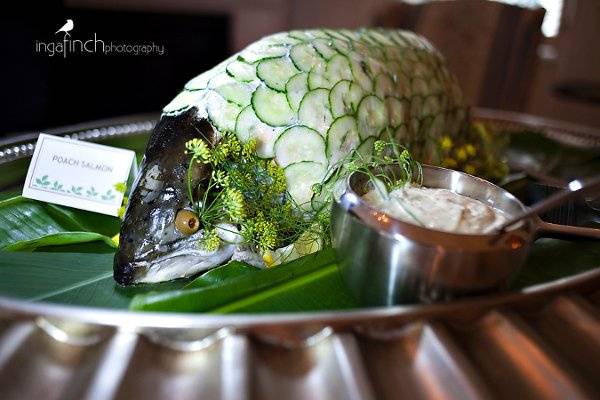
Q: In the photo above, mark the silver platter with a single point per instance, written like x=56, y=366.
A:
x=540, y=342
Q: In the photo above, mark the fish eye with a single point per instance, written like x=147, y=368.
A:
x=187, y=222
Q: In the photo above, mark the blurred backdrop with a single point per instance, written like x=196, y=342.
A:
x=536, y=56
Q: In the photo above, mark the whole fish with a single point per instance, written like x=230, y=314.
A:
x=308, y=98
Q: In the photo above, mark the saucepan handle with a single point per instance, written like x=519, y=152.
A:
x=566, y=232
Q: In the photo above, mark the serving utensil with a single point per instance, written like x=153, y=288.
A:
x=574, y=189
x=386, y=261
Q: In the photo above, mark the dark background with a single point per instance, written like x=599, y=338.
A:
x=39, y=91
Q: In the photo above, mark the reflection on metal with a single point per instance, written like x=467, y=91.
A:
x=542, y=343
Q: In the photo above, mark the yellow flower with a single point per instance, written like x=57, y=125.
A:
x=471, y=151
x=199, y=150
x=461, y=154
x=446, y=143
x=210, y=241
x=470, y=169
x=449, y=162
x=234, y=204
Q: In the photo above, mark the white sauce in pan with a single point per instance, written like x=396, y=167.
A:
x=438, y=209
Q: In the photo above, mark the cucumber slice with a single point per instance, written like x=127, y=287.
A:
x=272, y=107
x=314, y=110
x=184, y=101
x=419, y=87
x=374, y=67
x=295, y=89
x=324, y=47
x=381, y=38
x=416, y=107
x=248, y=126
x=401, y=135
x=318, y=78
x=275, y=72
x=342, y=138
x=231, y=90
x=372, y=116
x=366, y=148
x=344, y=98
x=241, y=71
x=342, y=46
x=358, y=72
x=384, y=86
x=431, y=106
x=335, y=34
x=300, y=35
x=397, y=110
x=338, y=67
x=222, y=113
x=393, y=53
x=305, y=57
x=299, y=143
x=300, y=179
x=260, y=51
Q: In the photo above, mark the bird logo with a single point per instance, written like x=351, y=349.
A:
x=66, y=28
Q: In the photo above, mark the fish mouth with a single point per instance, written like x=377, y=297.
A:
x=179, y=259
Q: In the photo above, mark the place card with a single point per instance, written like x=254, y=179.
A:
x=78, y=174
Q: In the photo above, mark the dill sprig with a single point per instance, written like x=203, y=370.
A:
x=247, y=191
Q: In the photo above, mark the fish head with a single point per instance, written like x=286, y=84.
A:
x=151, y=248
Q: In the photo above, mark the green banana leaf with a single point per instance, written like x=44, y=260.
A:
x=27, y=224
x=309, y=283
x=83, y=279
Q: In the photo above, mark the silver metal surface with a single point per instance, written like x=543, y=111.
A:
x=386, y=261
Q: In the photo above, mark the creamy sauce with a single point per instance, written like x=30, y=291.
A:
x=438, y=209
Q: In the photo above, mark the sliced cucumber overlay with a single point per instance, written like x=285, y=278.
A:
x=309, y=98
x=324, y=47
x=231, y=90
x=372, y=116
x=275, y=72
x=299, y=143
x=272, y=107
x=296, y=88
x=241, y=71
x=358, y=67
x=318, y=79
x=338, y=68
x=300, y=180
x=342, y=138
x=222, y=113
x=384, y=86
x=260, y=51
x=397, y=110
x=344, y=98
x=314, y=110
x=305, y=57
x=248, y=126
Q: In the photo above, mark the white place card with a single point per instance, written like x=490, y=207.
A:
x=78, y=174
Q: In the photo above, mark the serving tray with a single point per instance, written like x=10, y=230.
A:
x=540, y=342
